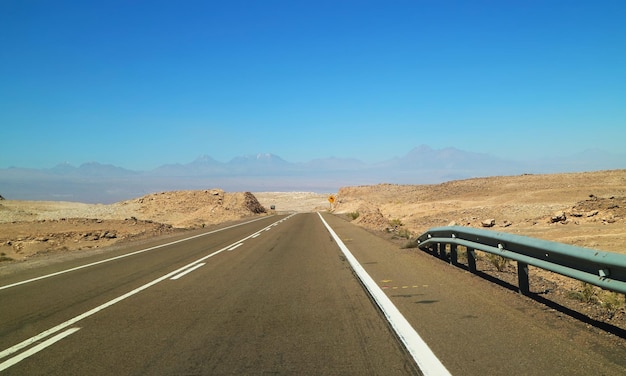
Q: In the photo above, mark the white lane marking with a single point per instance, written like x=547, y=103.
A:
x=426, y=360
x=256, y=235
x=46, y=333
x=235, y=247
x=188, y=271
x=124, y=255
x=18, y=358
x=99, y=308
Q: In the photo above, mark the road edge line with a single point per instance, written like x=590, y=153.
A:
x=423, y=356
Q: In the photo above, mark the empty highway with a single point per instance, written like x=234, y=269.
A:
x=277, y=295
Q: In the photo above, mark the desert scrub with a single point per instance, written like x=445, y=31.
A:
x=499, y=262
x=404, y=233
x=395, y=223
x=608, y=300
x=353, y=215
x=587, y=293
x=611, y=302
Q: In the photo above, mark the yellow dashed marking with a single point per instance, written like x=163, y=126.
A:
x=387, y=287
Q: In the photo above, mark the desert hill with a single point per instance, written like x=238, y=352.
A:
x=584, y=209
x=190, y=209
x=29, y=228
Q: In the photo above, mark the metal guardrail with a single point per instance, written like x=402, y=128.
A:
x=603, y=269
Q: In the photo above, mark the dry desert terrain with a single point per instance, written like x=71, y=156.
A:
x=582, y=209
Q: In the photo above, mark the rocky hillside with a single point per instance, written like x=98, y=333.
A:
x=29, y=228
x=195, y=208
x=584, y=209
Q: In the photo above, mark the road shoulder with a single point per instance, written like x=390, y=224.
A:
x=477, y=327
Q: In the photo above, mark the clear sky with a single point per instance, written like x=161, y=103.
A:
x=142, y=83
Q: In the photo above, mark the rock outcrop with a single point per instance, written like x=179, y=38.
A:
x=196, y=208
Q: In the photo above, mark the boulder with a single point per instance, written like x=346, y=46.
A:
x=506, y=224
x=252, y=204
x=488, y=222
x=558, y=217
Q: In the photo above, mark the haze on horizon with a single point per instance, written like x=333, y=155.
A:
x=143, y=84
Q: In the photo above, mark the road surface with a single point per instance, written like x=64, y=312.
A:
x=277, y=296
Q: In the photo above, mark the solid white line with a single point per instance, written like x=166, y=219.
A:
x=44, y=334
x=235, y=247
x=124, y=255
x=188, y=271
x=16, y=359
x=426, y=360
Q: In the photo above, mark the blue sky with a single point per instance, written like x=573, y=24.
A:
x=140, y=84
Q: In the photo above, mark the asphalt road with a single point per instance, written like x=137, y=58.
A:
x=277, y=296
x=283, y=302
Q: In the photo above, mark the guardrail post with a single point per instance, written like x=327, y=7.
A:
x=441, y=247
x=471, y=260
x=522, y=278
x=454, y=259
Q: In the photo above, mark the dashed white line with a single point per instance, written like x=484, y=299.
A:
x=235, y=247
x=188, y=271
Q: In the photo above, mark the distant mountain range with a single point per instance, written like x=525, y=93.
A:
x=94, y=182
